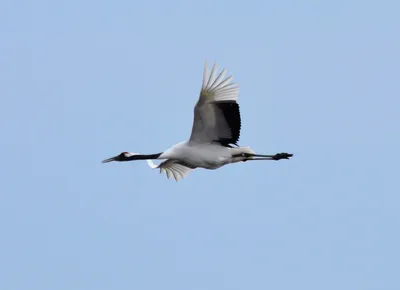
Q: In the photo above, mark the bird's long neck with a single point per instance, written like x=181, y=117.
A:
x=143, y=157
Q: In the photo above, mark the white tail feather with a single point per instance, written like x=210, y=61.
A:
x=239, y=150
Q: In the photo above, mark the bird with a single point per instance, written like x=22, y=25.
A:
x=213, y=142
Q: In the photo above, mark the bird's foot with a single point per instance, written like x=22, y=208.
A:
x=280, y=156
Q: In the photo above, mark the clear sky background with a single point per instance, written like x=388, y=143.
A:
x=81, y=81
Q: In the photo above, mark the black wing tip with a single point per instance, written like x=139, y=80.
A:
x=231, y=112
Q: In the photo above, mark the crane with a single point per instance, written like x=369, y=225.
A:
x=213, y=142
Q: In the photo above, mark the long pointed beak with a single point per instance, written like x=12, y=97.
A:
x=109, y=159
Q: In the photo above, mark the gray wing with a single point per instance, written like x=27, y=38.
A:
x=217, y=114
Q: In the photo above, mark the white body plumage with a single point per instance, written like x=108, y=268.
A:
x=208, y=156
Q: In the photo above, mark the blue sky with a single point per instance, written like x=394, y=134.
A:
x=81, y=81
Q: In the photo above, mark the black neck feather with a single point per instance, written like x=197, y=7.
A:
x=142, y=157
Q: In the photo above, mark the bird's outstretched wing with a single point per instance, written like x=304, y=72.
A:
x=216, y=114
x=172, y=168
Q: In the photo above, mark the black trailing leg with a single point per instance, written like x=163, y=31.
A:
x=280, y=156
x=276, y=157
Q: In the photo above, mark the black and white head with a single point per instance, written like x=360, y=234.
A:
x=124, y=156
x=131, y=156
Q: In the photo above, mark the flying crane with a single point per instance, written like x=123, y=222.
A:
x=215, y=133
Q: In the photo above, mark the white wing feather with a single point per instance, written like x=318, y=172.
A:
x=217, y=89
x=171, y=168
